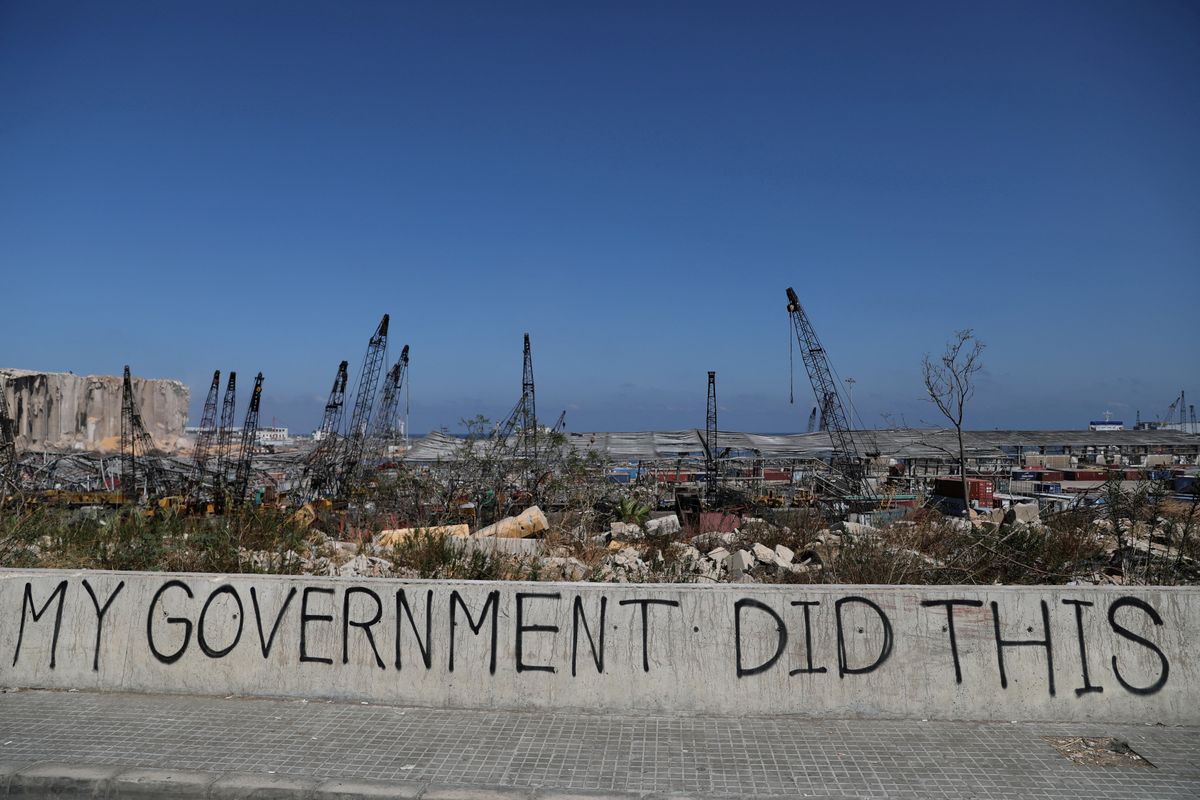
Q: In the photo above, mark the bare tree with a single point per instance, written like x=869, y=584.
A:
x=950, y=383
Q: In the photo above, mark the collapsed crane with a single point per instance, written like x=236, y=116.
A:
x=249, y=436
x=351, y=451
x=846, y=458
x=135, y=439
x=204, y=439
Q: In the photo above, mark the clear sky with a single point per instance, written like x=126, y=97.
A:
x=186, y=186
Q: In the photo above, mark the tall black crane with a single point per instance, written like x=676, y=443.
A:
x=8, y=445
x=529, y=432
x=816, y=363
x=322, y=463
x=524, y=413
x=710, y=437
x=368, y=382
x=241, y=479
x=204, y=438
x=135, y=439
x=561, y=423
x=335, y=404
x=225, y=432
x=387, y=422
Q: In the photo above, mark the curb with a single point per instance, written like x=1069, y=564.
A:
x=60, y=781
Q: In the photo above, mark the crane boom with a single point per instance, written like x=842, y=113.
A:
x=204, y=438
x=322, y=462
x=249, y=434
x=8, y=444
x=134, y=439
x=225, y=429
x=368, y=382
x=833, y=412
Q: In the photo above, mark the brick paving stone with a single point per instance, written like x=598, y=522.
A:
x=528, y=753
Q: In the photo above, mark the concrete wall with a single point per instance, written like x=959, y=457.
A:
x=861, y=651
x=64, y=410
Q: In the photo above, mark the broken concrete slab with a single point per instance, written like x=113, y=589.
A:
x=1022, y=512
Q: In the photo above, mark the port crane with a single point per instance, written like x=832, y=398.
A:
x=204, y=439
x=225, y=434
x=368, y=382
x=321, y=469
x=8, y=446
x=710, y=439
x=846, y=458
x=241, y=479
x=135, y=439
x=386, y=423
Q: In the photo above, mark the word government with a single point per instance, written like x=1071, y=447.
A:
x=551, y=629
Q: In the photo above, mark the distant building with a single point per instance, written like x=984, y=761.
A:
x=272, y=434
x=1106, y=425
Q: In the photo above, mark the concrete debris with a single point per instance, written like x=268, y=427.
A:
x=558, y=568
x=623, y=566
x=393, y=537
x=853, y=529
x=740, y=562
x=784, y=554
x=719, y=555
x=527, y=523
x=1022, y=512
x=625, y=530
x=763, y=554
x=663, y=526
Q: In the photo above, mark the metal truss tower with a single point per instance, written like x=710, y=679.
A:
x=833, y=412
x=225, y=431
x=249, y=435
x=204, y=439
x=710, y=437
x=368, y=382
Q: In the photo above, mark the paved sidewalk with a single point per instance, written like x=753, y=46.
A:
x=442, y=753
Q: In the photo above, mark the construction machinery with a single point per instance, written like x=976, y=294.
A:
x=249, y=436
x=321, y=470
x=351, y=450
x=386, y=427
x=204, y=439
x=847, y=464
x=135, y=441
x=9, y=468
x=710, y=439
x=225, y=435
x=528, y=408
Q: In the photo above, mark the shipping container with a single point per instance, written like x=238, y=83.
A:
x=978, y=488
x=1025, y=475
x=1047, y=488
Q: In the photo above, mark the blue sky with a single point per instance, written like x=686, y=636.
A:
x=187, y=186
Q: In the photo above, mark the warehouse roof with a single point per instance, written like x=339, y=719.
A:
x=893, y=443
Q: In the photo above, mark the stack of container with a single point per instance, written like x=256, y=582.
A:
x=979, y=489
